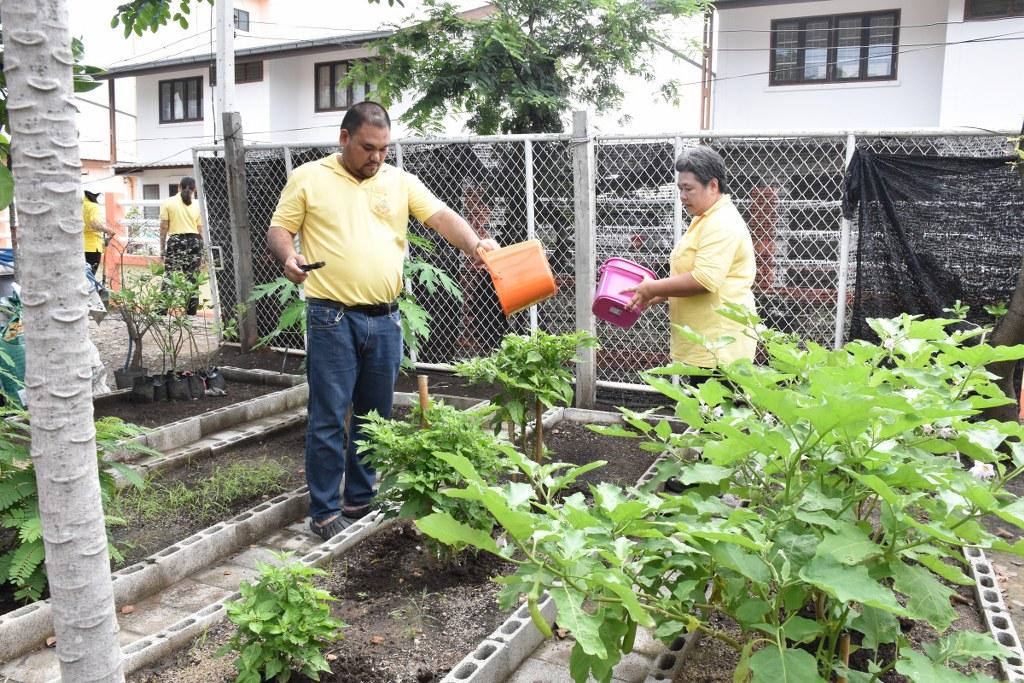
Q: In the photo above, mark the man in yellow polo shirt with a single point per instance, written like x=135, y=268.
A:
x=351, y=212
x=712, y=265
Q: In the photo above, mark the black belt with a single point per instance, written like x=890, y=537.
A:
x=372, y=310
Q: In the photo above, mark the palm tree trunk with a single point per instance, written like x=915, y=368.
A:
x=37, y=64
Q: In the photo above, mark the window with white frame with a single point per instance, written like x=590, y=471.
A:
x=834, y=49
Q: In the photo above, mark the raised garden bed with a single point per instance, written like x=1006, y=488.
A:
x=147, y=533
x=410, y=619
x=122, y=405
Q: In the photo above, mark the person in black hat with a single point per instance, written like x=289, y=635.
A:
x=93, y=229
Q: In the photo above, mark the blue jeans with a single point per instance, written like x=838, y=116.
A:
x=352, y=359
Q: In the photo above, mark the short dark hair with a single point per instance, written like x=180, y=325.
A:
x=365, y=112
x=705, y=163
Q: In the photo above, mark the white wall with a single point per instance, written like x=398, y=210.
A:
x=170, y=142
x=743, y=101
x=982, y=84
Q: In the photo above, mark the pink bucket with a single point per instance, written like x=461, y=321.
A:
x=618, y=274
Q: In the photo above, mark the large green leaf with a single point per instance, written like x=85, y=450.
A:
x=878, y=627
x=6, y=187
x=444, y=528
x=963, y=646
x=617, y=583
x=747, y=564
x=850, y=545
x=584, y=627
x=772, y=665
x=849, y=584
x=927, y=599
x=703, y=473
x=917, y=667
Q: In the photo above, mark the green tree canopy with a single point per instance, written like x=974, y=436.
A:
x=518, y=69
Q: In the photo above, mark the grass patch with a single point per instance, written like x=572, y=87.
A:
x=206, y=500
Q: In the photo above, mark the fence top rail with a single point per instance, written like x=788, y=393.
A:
x=629, y=137
x=866, y=133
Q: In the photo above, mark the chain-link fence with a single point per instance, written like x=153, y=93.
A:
x=787, y=187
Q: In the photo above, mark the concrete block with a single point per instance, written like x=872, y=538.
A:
x=290, y=540
x=25, y=629
x=191, y=596
x=251, y=557
x=646, y=644
x=150, y=616
x=538, y=671
x=487, y=663
x=668, y=663
x=226, y=576
x=39, y=666
x=995, y=612
x=519, y=632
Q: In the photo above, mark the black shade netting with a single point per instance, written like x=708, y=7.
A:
x=932, y=231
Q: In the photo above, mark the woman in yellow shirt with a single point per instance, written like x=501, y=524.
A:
x=93, y=229
x=181, y=242
x=712, y=265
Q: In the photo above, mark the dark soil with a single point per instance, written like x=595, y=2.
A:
x=712, y=661
x=445, y=383
x=409, y=619
x=285, y=447
x=261, y=359
x=166, y=412
x=572, y=442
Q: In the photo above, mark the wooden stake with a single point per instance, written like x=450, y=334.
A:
x=844, y=654
x=421, y=382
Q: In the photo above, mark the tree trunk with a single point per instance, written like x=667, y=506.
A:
x=37, y=64
x=1008, y=332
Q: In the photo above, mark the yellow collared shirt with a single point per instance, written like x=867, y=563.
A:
x=93, y=239
x=717, y=250
x=357, y=228
x=181, y=219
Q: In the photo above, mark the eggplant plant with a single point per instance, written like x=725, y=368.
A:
x=534, y=373
x=830, y=497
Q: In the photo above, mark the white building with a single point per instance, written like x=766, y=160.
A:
x=288, y=55
x=831, y=64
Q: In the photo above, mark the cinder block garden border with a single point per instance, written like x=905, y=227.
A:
x=26, y=629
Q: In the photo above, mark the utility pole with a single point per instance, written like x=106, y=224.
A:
x=234, y=159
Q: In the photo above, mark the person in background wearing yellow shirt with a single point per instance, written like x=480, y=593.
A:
x=712, y=265
x=93, y=229
x=181, y=241
x=351, y=212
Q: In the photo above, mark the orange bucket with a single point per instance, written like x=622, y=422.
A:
x=521, y=275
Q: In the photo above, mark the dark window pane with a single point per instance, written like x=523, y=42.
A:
x=193, y=98
x=848, y=40
x=982, y=9
x=787, y=43
x=151, y=193
x=166, y=111
x=172, y=190
x=880, y=46
x=179, y=100
x=241, y=20
x=323, y=86
x=340, y=91
x=816, y=50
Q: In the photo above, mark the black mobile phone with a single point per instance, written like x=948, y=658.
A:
x=306, y=267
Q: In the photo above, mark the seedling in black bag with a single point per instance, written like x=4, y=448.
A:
x=306, y=267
